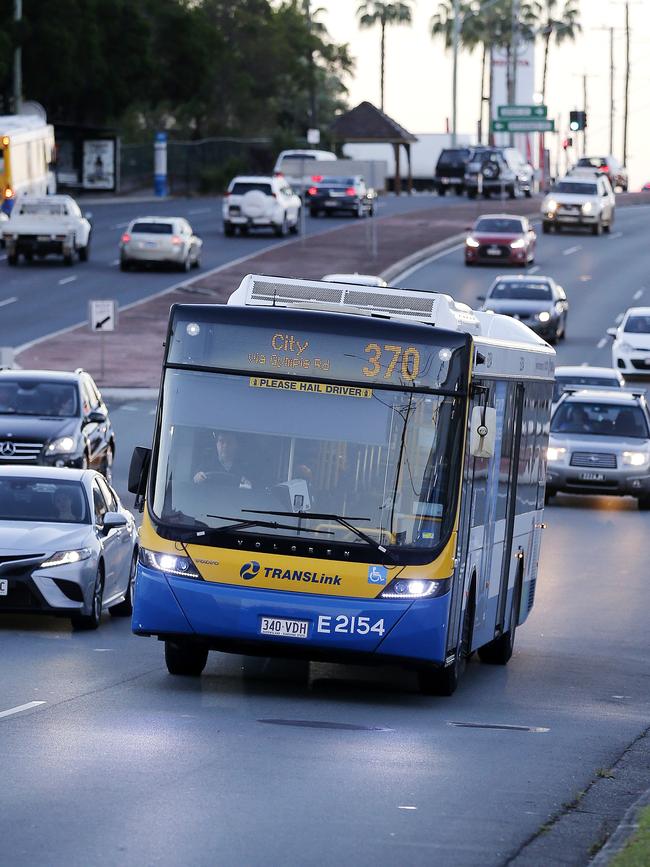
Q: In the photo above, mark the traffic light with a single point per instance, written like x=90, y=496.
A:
x=567, y=143
x=577, y=120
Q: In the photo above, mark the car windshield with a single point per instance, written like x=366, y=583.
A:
x=44, y=500
x=33, y=397
x=242, y=187
x=230, y=447
x=563, y=382
x=637, y=325
x=592, y=162
x=341, y=182
x=521, y=290
x=499, y=224
x=42, y=209
x=600, y=419
x=453, y=158
x=575, y=188
x=152, y=228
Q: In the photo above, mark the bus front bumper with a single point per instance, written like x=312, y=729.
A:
x=232, y=618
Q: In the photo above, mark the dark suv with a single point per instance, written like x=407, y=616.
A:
x=56, y=419
x=450, y=170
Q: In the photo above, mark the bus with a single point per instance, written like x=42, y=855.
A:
x=26, y=158
x=343, y=473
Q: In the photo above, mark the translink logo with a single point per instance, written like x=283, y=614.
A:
x=251, y=570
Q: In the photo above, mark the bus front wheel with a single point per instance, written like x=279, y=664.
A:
x=185, y=658
x=444, y=681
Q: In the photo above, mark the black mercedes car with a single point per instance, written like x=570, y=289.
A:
x=54, y=418
x=539, y=302
x=329, y=195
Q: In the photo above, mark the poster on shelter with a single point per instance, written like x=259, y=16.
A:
x=99, y=164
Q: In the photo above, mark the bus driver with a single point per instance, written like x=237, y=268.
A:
x=224, y=459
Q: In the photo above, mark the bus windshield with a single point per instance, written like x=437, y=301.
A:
x=241, y=448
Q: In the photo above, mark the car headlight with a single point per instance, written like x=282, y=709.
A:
x=62, y=445
x=65, y=558
x=472, y=242
x=587, y=208
x=544, y=316
x=635, y=459
x=173, y=564
x=626, y=347
x=519, y=244
x=555, y=453
x=408, y=588
x=551, y=206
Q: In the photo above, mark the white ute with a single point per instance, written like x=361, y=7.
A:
x=40, y=225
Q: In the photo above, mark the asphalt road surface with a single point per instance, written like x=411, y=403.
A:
x=269, y=762
x=25, y=317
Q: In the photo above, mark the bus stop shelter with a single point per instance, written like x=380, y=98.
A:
x=366, y=124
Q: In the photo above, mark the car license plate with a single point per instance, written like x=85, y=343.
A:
x=284, y=628
x=4, y=586
x=493, y=251
x=330, y=204
x=592, y=477
x=150, y=244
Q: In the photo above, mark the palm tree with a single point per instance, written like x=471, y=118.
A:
x=373, y=12
x=566, y=26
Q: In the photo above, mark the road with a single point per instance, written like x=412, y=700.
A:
x=267, y=762
x=23, y=317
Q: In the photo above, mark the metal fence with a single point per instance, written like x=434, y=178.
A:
x=196, y=166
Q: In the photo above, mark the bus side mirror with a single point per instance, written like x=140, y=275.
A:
x=138, y=472
x=482, y=431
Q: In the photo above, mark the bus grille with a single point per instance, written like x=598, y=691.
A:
x=593, y=459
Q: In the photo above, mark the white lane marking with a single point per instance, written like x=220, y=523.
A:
x=2, y=258
x=200, y=211
x=6, y=301
x=66, y=280
x=638, y=294
x=534, y=269
x=619, y=318
x=585, y=278
x=602, y=342
x=406, y=807
x=406, y=274
x=115, y=262
x=20, y=708
x=103, y=649
x=616, y=235
x=584, y=364
x=120, y=226
x=570, y=250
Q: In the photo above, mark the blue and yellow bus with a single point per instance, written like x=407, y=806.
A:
x=27, y=155
x=343, y=473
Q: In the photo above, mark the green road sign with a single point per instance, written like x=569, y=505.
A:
x=521, y=111
x=524, y=125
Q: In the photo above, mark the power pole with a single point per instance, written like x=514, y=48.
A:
x=514, y=42
x=627, y=79
x=18, y=70
x=454, y=74
x=313, y=113
x=584, y=108
x=611, y=90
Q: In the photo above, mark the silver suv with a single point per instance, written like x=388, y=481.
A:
x=600, y=444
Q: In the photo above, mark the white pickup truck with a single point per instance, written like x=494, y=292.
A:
x=40, y=225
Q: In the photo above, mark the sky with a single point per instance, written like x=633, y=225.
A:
x=418, y=75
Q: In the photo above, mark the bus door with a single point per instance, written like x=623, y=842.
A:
x=508, y=494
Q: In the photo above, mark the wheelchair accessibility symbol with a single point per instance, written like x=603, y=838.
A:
x=377, y=574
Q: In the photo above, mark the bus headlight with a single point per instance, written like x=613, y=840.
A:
x=170, y=563
x=635, y=459
x=409, y=588
x=553, y=453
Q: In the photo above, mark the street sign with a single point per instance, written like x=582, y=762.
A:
x=102, y=316
x=313, y=136
x=521, y=111
x=524, y=125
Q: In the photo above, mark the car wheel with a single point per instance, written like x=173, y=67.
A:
x=563, y=332
x=84, y=253
x=186, y=264
x=107, y=466
x=184, y=657
x=597, y=228
x=512, y=192
x=314, y=212
x=549, y=493
x=125, y=265
x=528, y=193
x=12, y=259
x=228, y=230
x=197, y=262
x=243, y=230
x=471, y=194
x=295, y=229
x=92, y=620
x=282, y=229
x=644, y=504
x=68, y=259
x=546, y=227
x=125, y=608
x=360, y=211
x=442, y=191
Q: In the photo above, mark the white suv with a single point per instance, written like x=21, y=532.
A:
x=260, y=202
x=580, y=200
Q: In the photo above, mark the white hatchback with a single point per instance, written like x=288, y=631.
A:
x=160, y=240
x=257, y=201
x=631, y=347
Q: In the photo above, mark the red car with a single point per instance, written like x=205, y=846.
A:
x=501, y=238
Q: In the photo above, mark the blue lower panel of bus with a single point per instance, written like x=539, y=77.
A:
x=166, y=605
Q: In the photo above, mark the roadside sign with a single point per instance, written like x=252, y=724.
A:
x=523, y=125
x=313, y=136
x=102, y=316
x=521, y=111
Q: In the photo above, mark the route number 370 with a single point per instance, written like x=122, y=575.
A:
x=390, y=356
x=354, y=625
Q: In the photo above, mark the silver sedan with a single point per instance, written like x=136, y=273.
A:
x=67, y=545
x=160, y=240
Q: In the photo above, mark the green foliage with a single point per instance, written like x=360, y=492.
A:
x=198, y=68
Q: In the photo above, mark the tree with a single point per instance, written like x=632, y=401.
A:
x=373, y=12
x=566, y=26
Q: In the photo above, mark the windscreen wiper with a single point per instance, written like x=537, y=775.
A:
x=242, y=525
x=344, y=520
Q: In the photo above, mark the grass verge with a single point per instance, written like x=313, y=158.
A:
x=637, y=851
